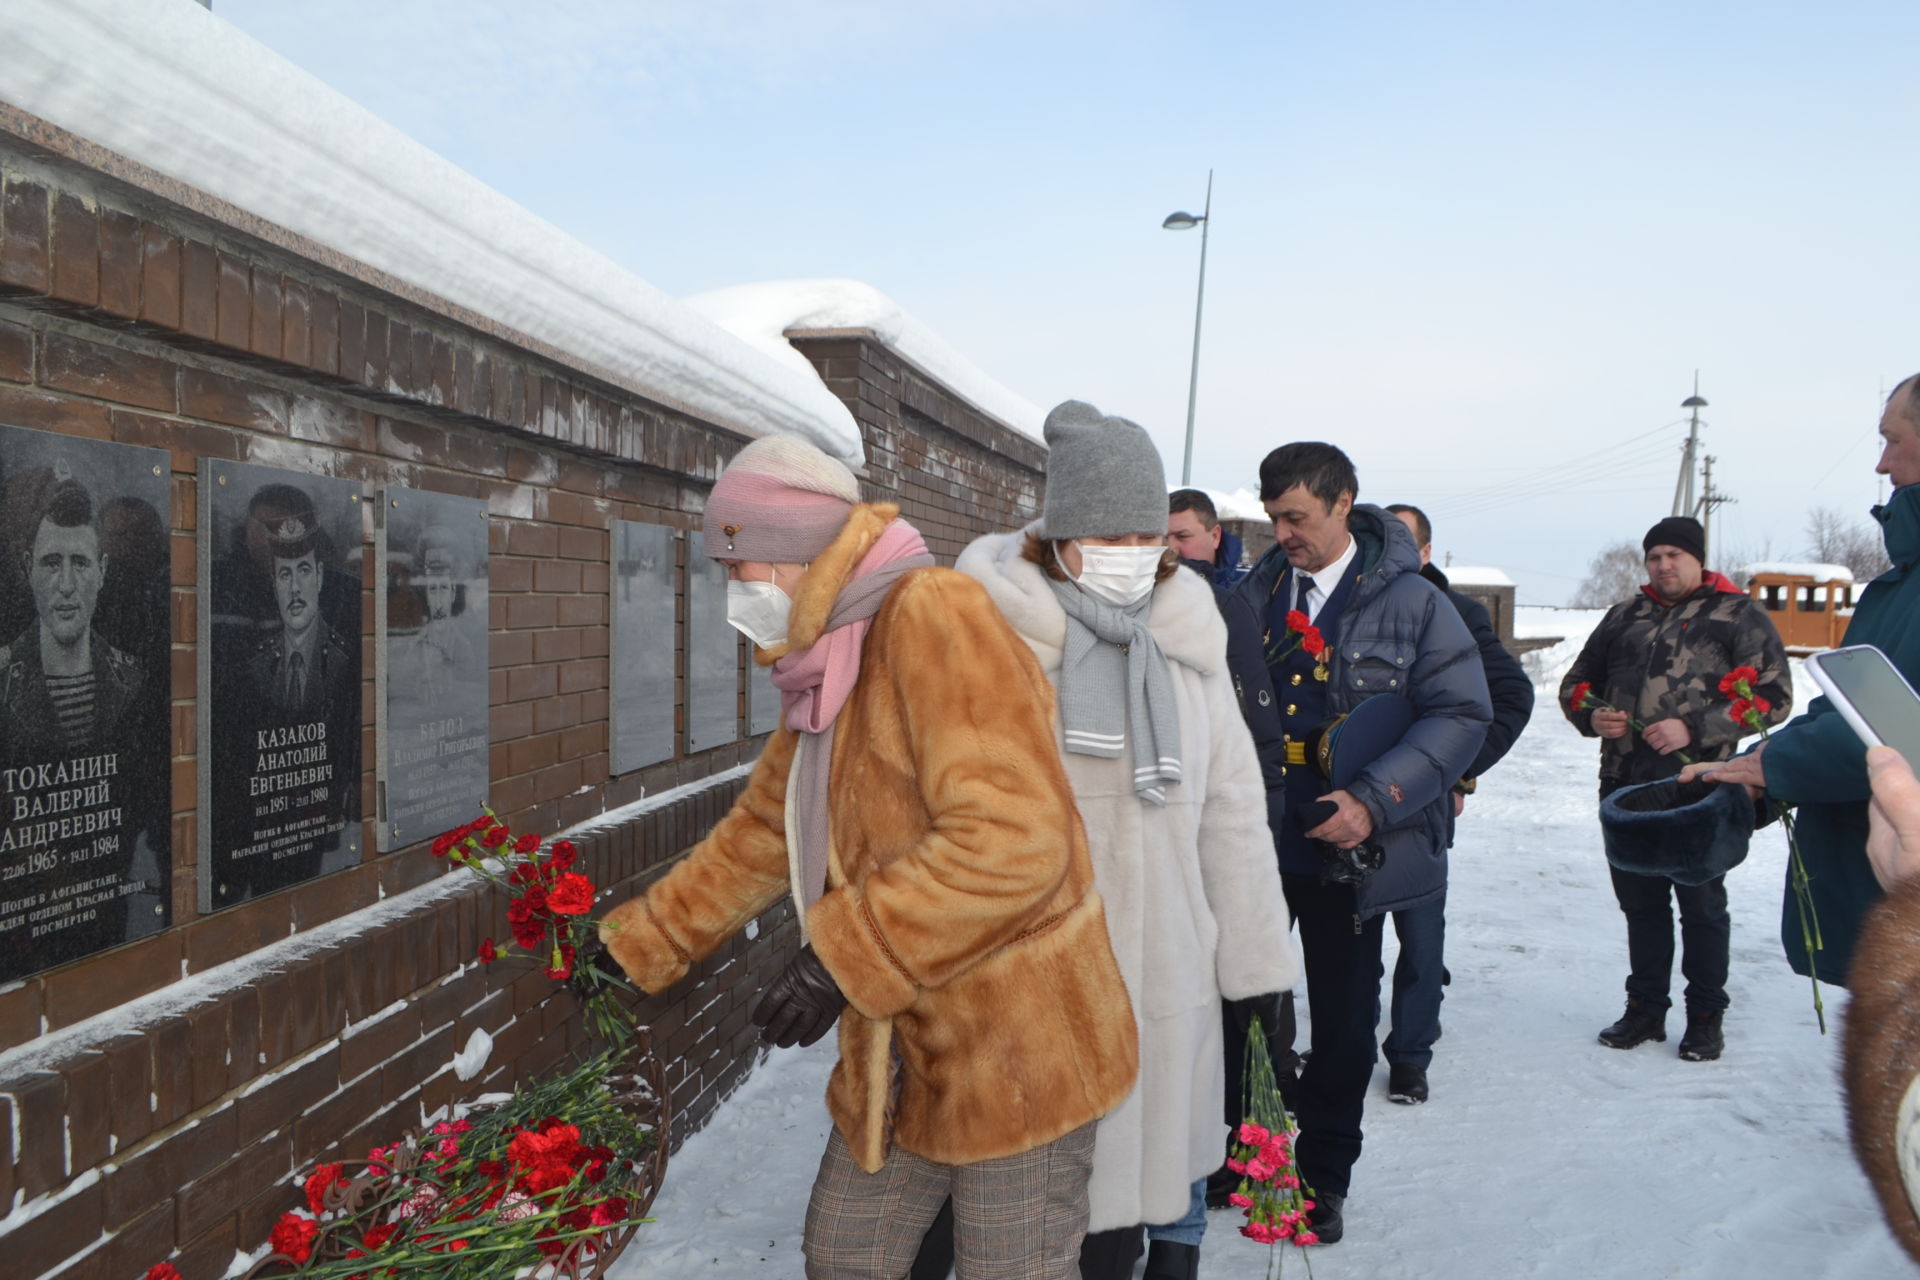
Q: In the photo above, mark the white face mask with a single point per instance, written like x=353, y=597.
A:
x=758, y=611
x=1118, y=575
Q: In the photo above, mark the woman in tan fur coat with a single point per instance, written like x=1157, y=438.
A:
x=914, y=805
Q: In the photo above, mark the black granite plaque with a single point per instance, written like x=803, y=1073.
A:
x=643, y=632
x=280, y=603
x=713, y=653
x=86, y=857
x=430, y=616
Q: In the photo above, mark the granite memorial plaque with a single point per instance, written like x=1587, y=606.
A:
x=430, y=614
x=713, y=653
x=86, y=857
x=763, y=700
x=280, y=601
x=643, y=633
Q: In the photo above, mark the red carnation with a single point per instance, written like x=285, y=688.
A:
x=1730, y=683
x=481, y=823
x=535, y=898
x=163, y=1271
x=526, y=843
x=488, y=952
x=1578, y=698
x=1298, y=621
x=495, y=837
x=1313, y=642
x=572, y=895
x=1738, y=711
x=561, y=855
x=378, y=1236
x=442, y=843
x=564, y=969
x=1761, y=705
x=318, y=1181
x=292, y=1237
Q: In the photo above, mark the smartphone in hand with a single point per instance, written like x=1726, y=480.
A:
x=1872, y=696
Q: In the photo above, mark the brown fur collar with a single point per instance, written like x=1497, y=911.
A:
x=830, y=571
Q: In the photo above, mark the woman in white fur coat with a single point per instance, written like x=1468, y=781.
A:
x=1165, y=776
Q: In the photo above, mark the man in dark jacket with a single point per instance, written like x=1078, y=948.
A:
x=1346, y=616
x=1658, y=659
x=1420, y=971
x=1817, y=762
x=1194, y=533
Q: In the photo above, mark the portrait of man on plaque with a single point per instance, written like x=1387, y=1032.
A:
x=85, y=858
x=439, y=652
x=282, y=711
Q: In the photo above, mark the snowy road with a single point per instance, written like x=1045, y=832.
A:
x=1542, y=1154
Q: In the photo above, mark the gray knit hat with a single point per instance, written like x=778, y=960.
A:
x=1103, y=476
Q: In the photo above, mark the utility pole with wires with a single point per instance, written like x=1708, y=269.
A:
x=1683, y=497
x=1710, y=498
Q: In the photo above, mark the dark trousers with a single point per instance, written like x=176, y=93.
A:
x=1705, y=931
x=1417, y=976
x=1342, y=956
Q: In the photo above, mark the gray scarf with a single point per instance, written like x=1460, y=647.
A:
x=1113, y=678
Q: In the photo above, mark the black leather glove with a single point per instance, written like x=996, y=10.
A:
x=801, y=1005
x=1266, y=1007
x=595, y=970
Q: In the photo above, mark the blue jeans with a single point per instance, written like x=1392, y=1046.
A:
x=1416, y=984
x=1189, y=1229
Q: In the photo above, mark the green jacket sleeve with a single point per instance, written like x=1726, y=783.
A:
x=1817, y=758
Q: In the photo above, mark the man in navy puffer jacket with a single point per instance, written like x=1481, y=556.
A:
x=1348, y=617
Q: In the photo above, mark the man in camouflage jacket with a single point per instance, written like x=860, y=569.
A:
x=1658, y=659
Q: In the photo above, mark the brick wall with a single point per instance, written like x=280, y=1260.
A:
x=163, y=1091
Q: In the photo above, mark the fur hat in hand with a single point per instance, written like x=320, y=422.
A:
x=1689, y=834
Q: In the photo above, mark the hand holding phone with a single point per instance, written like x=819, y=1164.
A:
x=1871, y=695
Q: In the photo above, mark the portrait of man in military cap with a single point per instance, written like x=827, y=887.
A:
x=304, y=666
x=281, y=674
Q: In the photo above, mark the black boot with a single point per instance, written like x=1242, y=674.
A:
x=1703, y=1041
x=1110, y=1255
x=1328, y=1217
x=1168, y=1260
x=1637, y=1025
x=1406, y=1083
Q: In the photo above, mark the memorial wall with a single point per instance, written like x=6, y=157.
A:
x=299, y=567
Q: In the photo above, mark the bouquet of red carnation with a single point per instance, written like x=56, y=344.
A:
x=547, y=912
x=1275, y=1200
x=1748, y=709
x=1582, y=699
x=549, y=1183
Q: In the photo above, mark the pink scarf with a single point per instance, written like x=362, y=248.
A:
x=815, y=682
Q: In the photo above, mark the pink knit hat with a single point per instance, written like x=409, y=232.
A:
x=780, y=501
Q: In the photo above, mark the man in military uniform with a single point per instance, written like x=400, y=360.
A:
x=1348, y=617
x=304, y=668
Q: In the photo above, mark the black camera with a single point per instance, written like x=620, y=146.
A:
x=1351, y=866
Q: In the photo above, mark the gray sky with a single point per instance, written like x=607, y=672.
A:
x=1482, y=246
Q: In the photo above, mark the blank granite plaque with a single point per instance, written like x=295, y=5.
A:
x=763, y=700
x=644, y=631
x=281, y=557
x=713, y=654
x=86, y=853
x=430, y=614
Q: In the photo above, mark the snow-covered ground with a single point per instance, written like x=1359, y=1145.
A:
x=1542, y=1154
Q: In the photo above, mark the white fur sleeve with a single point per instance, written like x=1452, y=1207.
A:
x=1237, y=862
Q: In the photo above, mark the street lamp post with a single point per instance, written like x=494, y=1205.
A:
x=1184, y=221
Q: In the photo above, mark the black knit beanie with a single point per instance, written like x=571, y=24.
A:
x=1683, y=532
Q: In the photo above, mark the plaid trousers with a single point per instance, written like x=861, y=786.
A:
x=1020, y=1217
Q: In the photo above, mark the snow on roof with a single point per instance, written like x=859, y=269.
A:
x=1241, y=504
x=180, y=91
x=1802, y=569
x=1465, y=575
x=762, y=315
